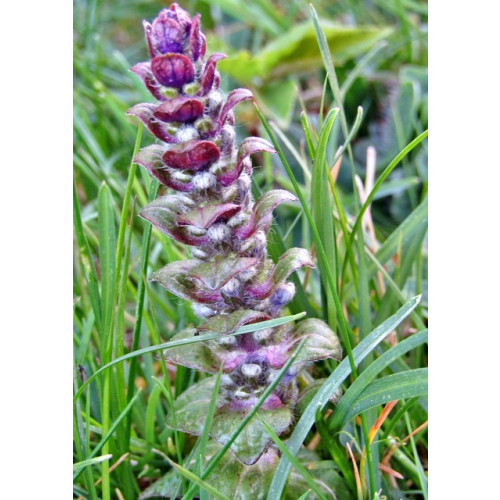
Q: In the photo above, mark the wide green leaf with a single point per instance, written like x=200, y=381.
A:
x=297, y=51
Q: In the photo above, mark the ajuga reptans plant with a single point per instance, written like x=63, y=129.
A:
x=229, y=280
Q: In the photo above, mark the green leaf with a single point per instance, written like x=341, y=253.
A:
x=250, y=444
x=296, y=51
x=107, y=243
x=229, y=323
x=192, y=406
x=230, y=477
x=321, y=341
x=277, y=99
x=402, y=385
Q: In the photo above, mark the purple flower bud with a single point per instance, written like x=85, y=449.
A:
x=197, y=42
x=180, y=15
x=207, y=79
x=227, y=136
x=192, y=156
x=143, y=71
x=145, y=113
x=282, y=296
x=235, y=97
x=182, y=109
x=164, y=35
x=172, y=70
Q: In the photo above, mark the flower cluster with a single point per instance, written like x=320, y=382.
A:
x=229, y=280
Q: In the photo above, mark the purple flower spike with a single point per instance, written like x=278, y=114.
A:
x=182, y=109
x=172, y=70
x=192, y=156
x=228, y=279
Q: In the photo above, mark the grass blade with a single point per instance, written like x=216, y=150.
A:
x=380, y=180
x=196, y=480
x=79, y=466
x=295, y=463
x=321, y=210
x=106, y=231
x=87, y=262
x=320, y=399
x=112, y=429
x=349, y=399
x=402, y=385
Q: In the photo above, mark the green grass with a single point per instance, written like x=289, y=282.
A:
x=368, y=89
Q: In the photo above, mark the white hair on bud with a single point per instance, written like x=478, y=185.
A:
x=260, y=239
x=257, y=242
x=229, y=193
x=227, y=340
x=187, y=133
x=231, y=287
x=262, y=335
x=185, y=200
x=251, y=370
x=214, y=101
x=181, y=176
x=239, y=219
x=248, y=274
x=218, y=166
x=262, y=305
x=244, y=182
x=293, y=370
x=218, y=232
x=283, y=294
x=226, y=381
x=196, y=231
x=198, y=254
x=227, y=136
x=202, y=311
x=204, y=180
x=241, y=394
